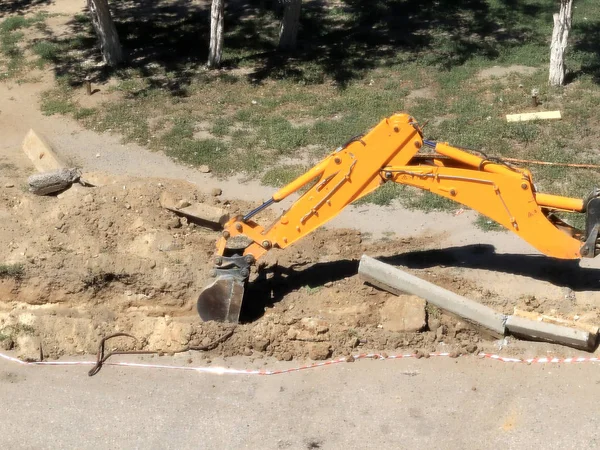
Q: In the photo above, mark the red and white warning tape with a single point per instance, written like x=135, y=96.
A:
x=225, y=370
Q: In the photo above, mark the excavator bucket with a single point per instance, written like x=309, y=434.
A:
x=222, y=299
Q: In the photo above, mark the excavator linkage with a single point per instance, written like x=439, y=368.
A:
x=393, y=151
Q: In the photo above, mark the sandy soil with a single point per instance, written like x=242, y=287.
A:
x=110, y=259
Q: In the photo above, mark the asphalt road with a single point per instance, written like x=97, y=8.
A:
x=428, y=403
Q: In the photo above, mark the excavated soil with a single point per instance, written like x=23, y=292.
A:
x=100, y=260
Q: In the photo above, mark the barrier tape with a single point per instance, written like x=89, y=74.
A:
x=225, y=370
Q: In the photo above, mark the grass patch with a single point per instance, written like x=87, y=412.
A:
x=428, y=202
x=384, y=195
x=281, y=176
x=12, y=43
x=486, y=224
x=11, y=270
x=355, y=65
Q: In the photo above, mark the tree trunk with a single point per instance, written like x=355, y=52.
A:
x=560, y=34
x=288, y=33
x=215, y=51
x=110, y=46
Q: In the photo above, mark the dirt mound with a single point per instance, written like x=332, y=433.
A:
x=95, y=261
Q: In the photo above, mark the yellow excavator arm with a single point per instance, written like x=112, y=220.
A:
x=391, y=152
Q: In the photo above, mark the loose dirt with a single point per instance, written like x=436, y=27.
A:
x=109, y=259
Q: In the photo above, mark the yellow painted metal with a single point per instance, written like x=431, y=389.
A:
x=301, y=181
x=505, y=199
x=558, y=202
x=384, y=154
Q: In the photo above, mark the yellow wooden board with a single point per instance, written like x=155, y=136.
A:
x=545, y=115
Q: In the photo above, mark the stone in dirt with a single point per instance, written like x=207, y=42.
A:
x=204, y=169
x=205, y=214
x=52, y=182
x=404, y=313
x=319, y=351
x=310, y=330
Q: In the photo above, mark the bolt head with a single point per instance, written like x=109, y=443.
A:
x=523, y=186
x=226, y=234
x=218, y=261
x=238, y=226
x=266, y=244
x=249, y=259
x=244, y=272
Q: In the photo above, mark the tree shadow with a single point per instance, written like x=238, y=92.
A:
x=167, y=42
x=360, y=35
x=273, y=285
x=587, y=35
x=8, y=7
x=564, y=273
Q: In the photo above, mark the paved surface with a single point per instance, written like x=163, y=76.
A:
x=427, y=403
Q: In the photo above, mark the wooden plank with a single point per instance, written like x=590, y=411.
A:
x=41, y=154
x=524, y=117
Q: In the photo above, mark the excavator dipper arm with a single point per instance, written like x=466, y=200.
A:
x=390, y=152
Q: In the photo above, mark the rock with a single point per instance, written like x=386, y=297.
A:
x=208, y=215
x=353, y=342
x=28, y=348
x=309, y=330
x=9, y=185
x=173, y=222
x=260, y=344
x=433, y=324
x=404, y=313
x=440, y=332
x=7, y=343
x=216, y=192
x=204, y=169
x=319, y=351
x=247, y=352
x=167, y=200
x=54, y=181
x=183, y=204
x=286, y=356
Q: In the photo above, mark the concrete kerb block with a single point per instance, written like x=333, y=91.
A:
x=543, y=331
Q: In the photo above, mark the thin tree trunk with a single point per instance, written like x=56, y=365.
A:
x=215, y=51
x=288, y=33
x=110, y=46
x=560, y=34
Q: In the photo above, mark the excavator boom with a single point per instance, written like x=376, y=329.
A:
x=392, y=151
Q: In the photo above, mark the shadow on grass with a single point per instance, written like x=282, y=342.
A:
x=268, y=290
x=8, y=7
x=587, y=42
x=345, y=41
x=338, y=41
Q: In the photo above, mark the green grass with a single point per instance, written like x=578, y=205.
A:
x=13, y=59
x=486, y=224
x=282, y=175
x=358, y=66
x=11, y=270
